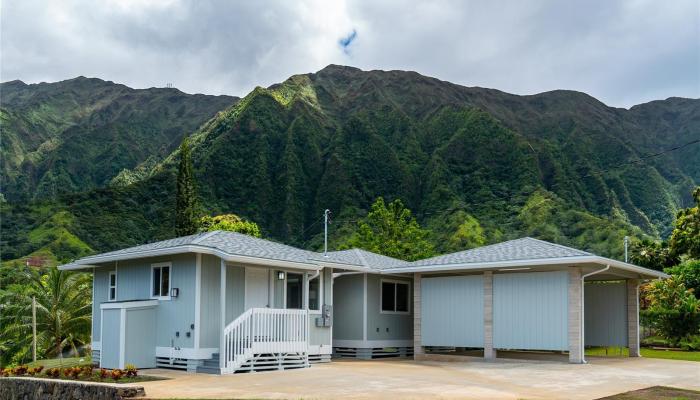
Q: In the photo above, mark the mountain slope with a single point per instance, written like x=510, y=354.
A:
x=76, y=135
x=558, y=165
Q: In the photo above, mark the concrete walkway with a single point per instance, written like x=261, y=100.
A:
x=405, y=379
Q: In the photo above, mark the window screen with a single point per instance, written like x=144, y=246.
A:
x=161, y=281
x=294, y=290
x=395, y=297
x=315, y=293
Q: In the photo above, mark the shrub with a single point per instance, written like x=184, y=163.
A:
x=5, y=372
x=87, y=370
x=117, y=374
x=39, y=369
x=690, y=343
x=130, y=370
x=103, y=373
x=673, y=311
x=53, y=372
x=19, y=370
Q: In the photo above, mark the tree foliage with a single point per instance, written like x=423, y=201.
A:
x=187, y=203
x=229, y=222
x=651, y=254
x=685, y=238
x=671, y=309
x=392, y=231
x=687, y=272
x=63, y=313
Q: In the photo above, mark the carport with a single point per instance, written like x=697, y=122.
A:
x=526, y=294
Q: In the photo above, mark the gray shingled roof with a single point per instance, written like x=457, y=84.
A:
x=519, y=249
x=228, y=242
x=243, y=245
x=361, y=258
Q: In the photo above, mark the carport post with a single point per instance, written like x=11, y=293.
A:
x=222, y=316
x=633, y=317
x=417, y=346
x=575, y=324
x=489, y=352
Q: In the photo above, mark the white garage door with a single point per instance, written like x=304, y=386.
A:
x=530, y=311
x=452, y=311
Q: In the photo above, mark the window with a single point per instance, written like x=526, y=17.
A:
x=395, y=297
x=294, y=290
x=315, y=293
x=112, y=296
x=160, y=281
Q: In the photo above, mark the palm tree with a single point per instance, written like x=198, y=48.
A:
x=63, y=314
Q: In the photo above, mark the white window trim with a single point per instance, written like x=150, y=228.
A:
x=170, y=279
x=320, y=293
x=109, y=285
x=381, y=296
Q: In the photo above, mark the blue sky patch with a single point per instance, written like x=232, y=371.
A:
x=347, y=40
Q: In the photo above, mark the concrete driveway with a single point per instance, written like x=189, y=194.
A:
x=382, y=379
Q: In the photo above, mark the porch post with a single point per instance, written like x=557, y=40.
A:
x=222, y=317
x=489, y=352
x=575, y=323
x=417, y=347
x=633, y=317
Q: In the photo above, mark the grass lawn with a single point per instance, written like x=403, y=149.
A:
x=646, y=352
x=656, y=393
x=62, y=362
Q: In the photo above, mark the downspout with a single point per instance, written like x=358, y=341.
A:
x=583, y=311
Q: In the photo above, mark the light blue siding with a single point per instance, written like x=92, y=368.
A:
x=235, y=292
x=530, y=310
x=133, y=281
x=452, y=311
x=109, y=355
x=100, y=281
x=348, y=294
x=140, y=343
x=385, y=326
x=210, y=300
x=605, y=320
x=177, y=314
x=321, y=335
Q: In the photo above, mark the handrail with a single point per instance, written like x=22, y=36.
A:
x=264, y=331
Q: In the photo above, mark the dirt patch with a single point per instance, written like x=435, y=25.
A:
x=656, y=393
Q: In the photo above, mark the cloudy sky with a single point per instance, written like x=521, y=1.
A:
x=622, y=52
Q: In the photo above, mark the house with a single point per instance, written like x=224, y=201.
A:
x=224, y=302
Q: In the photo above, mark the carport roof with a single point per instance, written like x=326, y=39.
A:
x=519, y=249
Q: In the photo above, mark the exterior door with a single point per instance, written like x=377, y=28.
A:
x=257, y=285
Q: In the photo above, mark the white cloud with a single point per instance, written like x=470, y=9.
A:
x=620, y=52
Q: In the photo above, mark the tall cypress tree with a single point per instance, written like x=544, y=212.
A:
x=187, y=206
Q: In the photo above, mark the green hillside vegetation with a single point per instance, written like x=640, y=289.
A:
x=78, y=134
x=474, y=165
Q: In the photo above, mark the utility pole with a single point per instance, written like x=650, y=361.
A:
x=34, y=328
x=627, y=242
x=326, y=213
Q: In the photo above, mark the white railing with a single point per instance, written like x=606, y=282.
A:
x=264, y=331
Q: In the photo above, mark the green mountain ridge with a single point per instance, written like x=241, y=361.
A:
x=77, y=134
x=558, y=165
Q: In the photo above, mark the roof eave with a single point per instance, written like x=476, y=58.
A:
x=645, y=272
x=89, y=262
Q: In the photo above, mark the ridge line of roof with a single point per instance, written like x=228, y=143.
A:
x=205, y=236
x=361, y=257
x=556, y=245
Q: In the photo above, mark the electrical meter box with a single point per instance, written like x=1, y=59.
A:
x=326, y=318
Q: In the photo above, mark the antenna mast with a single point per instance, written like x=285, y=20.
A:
x=326, y=213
